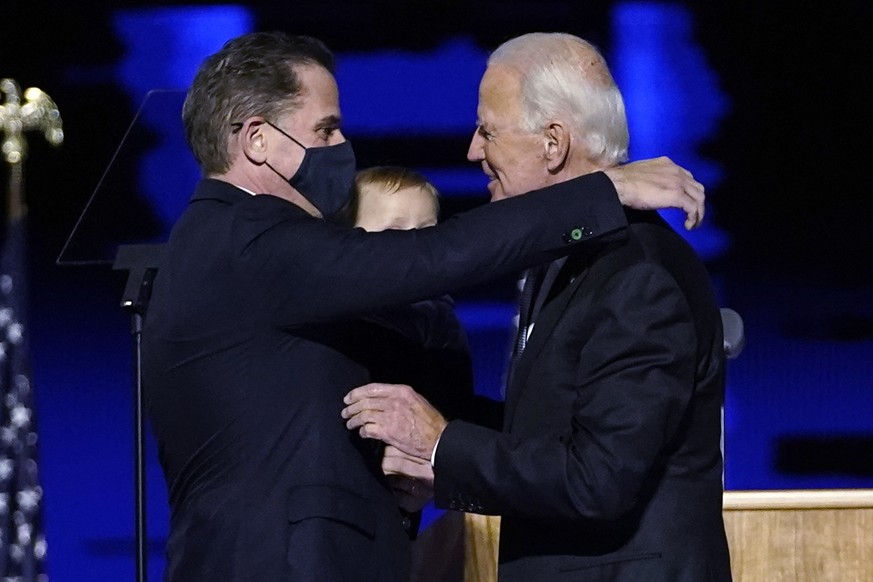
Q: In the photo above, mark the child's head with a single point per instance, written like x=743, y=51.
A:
x=390, y=197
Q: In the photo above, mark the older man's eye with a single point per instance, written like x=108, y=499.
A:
x=485, y=134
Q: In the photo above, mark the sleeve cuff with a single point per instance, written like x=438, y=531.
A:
x=433, y=454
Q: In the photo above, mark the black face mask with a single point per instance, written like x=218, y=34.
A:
x=325, y=176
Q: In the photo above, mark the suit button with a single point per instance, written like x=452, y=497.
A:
x=453, y=505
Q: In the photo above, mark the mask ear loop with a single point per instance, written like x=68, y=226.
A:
x=279, y=129
x=237, y=126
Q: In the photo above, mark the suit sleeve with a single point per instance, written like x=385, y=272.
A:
x=634, y=379
x=311, y=270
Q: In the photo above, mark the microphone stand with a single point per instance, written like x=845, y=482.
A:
x=141, y=262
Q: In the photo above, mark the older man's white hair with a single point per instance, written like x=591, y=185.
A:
x=566, y=78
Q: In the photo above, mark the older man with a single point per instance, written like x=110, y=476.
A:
x=608, y=465
x=245, y=354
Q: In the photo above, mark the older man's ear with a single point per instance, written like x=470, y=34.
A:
x=557, y=143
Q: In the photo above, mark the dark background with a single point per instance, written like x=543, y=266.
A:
x=794, y=199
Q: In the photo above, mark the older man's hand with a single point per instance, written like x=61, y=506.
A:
x=659, y=183
x=411, y=478
x=396, y=415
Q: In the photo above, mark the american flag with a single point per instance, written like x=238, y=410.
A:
x=22, y=543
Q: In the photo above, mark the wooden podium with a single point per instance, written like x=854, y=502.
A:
x=800, y=535
x=774, y=536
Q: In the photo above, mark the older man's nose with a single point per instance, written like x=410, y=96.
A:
x=475, y=152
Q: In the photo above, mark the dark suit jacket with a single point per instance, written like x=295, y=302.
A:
x=608, y=467
x=246, y=362
x=422, y=344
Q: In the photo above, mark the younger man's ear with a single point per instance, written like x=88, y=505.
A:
x=253, y=139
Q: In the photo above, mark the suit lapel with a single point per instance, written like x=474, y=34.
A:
x=546, y=320
x=549, y=279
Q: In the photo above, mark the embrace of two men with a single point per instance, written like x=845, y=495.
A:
x=607, y=466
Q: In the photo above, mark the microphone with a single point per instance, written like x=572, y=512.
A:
x=734, y=333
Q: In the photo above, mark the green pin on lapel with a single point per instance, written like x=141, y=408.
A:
x=576, y=234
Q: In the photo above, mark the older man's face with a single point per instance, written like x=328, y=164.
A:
x=512, y=158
